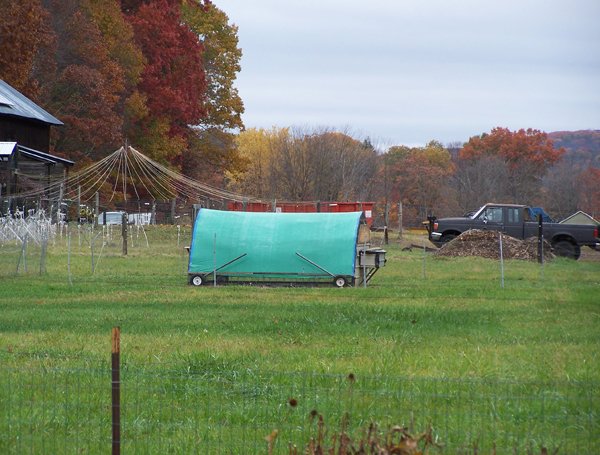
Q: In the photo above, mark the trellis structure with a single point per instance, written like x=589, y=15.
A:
x=128, y=170
x=127, y=175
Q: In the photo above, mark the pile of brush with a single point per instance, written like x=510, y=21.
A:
x=486, y=244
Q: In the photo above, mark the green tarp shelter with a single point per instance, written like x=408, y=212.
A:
x=288, y=247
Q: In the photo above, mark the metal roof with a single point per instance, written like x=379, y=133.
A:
x=14, y=103
x=7, y=148
x=44, y=157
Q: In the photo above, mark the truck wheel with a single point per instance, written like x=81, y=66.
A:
x=566, y=249
x=197, y=280
x=447, y=237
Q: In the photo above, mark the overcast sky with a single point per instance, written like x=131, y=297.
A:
x=409, y=71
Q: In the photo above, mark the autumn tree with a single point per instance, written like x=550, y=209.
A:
x=212, y=151
x=221, y=63
x=96, y=64
x=257, y=149
x=322, y=165
x=297, y=165
x=589, y=191
x=417, y=176
x=342, y=166
x=27, y=40
x=172, y=84
x=526, y=154
x=561, y=189
x=481, y=180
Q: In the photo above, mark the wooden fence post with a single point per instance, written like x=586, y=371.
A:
x=97, y=209
x=124, y=232
x=386, y=217
x=116, y=391
x=400, y=219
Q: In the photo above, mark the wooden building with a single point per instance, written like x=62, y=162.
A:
x=25, y=161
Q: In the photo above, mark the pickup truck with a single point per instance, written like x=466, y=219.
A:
x=516, y=221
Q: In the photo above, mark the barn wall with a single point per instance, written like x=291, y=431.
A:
x=27, y=133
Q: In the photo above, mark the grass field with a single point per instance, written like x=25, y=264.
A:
x=431, y=327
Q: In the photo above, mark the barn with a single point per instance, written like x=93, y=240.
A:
x=25, y=161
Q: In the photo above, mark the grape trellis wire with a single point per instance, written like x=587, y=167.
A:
x=129, y=172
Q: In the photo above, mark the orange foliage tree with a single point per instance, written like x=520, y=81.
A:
x=526, y=154
x=26, y=39
x=417, y=177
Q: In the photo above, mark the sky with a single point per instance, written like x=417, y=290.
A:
x=405, y=72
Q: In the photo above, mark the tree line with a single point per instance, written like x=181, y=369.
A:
x=522, y=166
x=160, y=74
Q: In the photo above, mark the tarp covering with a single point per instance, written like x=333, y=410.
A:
x=274, y=245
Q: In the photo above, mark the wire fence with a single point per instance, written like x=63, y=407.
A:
x=26, y=245
x=190, y=409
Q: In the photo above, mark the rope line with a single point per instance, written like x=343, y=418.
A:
x=127, y=169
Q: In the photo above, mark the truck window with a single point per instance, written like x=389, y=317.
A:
x=493, y=214
x=514, y=215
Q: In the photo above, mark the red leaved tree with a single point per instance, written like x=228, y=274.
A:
x=525, y=155
x=26, y=41
x=417, y=177
x=173, y=82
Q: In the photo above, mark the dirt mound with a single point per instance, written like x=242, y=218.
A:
x=486, y=244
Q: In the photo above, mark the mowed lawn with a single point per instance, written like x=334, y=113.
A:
x=431, y=342
x=420, y=317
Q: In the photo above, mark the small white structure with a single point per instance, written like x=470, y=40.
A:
x=580, y=218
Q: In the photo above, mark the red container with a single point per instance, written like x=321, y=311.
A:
x=305, y=207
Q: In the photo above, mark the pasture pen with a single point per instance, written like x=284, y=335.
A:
x=432, y=343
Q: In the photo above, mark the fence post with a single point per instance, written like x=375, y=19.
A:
x=124, y=232
x=501, y=260
x=540, y=240
x=116, y=391
x=387, y=223
x=59, y=204
x=78, y=214
x=173, y=203
x=400, y=219
x=96, y=208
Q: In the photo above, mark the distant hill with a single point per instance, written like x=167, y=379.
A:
x=582, y=147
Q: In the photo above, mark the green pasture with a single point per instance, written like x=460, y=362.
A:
x=427, y=328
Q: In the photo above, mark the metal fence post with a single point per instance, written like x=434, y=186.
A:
x=116, y=391
x=501, y=260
